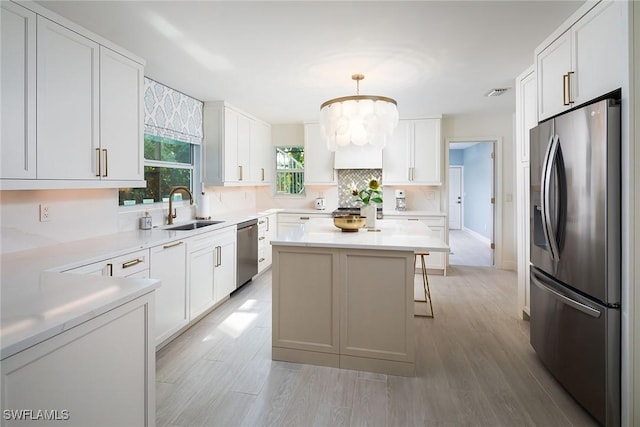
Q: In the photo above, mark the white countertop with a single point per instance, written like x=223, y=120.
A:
x=399, y=235
x=38, y=302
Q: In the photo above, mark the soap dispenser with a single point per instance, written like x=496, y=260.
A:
x=146, y=221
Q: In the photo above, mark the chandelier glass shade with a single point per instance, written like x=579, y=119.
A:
x=358, y=120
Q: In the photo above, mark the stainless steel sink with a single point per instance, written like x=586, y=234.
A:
x=193, y=225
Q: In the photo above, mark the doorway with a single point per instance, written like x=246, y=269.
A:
x=472, y=202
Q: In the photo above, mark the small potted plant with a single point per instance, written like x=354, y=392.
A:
x=370, y=197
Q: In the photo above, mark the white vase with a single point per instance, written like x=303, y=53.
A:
x=369, y=212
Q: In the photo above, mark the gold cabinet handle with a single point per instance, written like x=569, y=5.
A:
x=110, y=270
x=261, y=260
x=239, y=173
x=261, y=238
x=569, y=96
x=262, y=174
x=565, y=90
x=98, y=162
x=106, y=162
x=132, y=263
x=268, y=223
x=261, y=222
x=304, y=218
x=218, y=256
x=172, y=245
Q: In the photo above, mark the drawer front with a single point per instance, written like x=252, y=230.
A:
x=287, y=217
x=129, y=264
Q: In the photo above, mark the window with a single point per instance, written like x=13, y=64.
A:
x=289, y=170
x=167, y=163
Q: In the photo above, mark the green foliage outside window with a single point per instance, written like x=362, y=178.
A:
x=290, y=170
x=168, y=163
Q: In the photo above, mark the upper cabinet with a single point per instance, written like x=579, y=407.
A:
x=526, y=113
x=584, y=61
x=81, y=123
x=235, y=147
x=18, y=37
x=318, y=160
x=413, y=156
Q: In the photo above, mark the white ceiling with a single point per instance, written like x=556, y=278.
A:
x=281, y=60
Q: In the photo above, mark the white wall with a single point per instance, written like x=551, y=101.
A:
x=500, y=126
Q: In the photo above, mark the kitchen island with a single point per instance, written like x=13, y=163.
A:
x=345, y=299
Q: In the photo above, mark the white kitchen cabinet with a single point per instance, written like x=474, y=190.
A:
x=525, y=120
x=75, y=118
x=267, y=230
x=583, y=62
x=211, y=269
x=228, y=146
x=127, y=265
x=225, y=266
x=168, y=264
x=202, y=258
x=18, y=75
x=67, y=104
x=262, y=161
x=101, y=372
x=318, y=160
x=526, y=114
x=435, y=260
x=121, y=117
x=413, y=156
x=290, y=221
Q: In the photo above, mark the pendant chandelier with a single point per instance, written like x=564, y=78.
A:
x=358, y=120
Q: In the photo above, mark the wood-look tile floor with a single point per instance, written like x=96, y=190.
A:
x=474, y=367
x=467, y=249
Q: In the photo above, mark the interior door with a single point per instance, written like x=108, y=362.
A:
x=455, y=197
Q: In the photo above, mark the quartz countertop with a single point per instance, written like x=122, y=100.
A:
x=399, y=235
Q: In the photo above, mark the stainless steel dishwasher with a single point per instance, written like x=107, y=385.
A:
x=247, y=251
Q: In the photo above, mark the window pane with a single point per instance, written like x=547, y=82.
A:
x=290, y=183
x=290, y=158
x=160, y=181
x=166, y=150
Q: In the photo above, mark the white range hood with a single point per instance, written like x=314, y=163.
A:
x=353, y=157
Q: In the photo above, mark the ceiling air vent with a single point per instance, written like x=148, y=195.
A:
x=497, y=92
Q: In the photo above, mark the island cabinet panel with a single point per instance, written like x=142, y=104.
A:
x=305, y=300
x=101, y=372
x=346, y=308
x=376, y=310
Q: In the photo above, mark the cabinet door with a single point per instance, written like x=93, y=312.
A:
x=526, y=112
x=121, y=117
x=261, y=160
x=201, y=266
x=599, y=51
x=225, y=267
x=552, y=64
x=67, y=109
x=168, y=264
x=18, y=75
x=317, y=157
x=395, y=155
x=426, y=152
x=243, y=147
x=230, y=135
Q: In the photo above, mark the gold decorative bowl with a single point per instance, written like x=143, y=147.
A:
x=349, y=222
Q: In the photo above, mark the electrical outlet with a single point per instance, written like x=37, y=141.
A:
x=45, y=213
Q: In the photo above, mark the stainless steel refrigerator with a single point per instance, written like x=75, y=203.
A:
x=575, y=253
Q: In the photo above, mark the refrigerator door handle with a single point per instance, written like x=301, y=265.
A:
x=547, y=170
x=536, y=278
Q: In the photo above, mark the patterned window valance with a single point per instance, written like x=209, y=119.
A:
x=171, y=114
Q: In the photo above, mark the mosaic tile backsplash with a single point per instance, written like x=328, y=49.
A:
x=354, y=178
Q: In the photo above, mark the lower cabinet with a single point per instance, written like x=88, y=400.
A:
x=101, y=372
x=211, y=269
x=169, y=264
x=224, y=276
x=267, y=230
x=346, y=308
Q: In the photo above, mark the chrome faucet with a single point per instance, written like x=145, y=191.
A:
x=172, y=212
